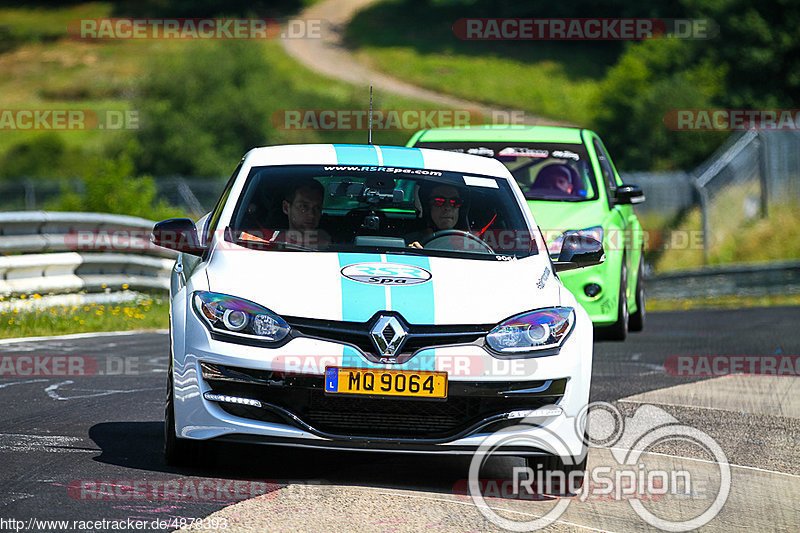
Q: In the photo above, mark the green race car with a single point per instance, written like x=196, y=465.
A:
x=571, y=186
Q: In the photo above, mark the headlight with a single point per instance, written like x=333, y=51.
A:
x=243, y=318
x=532, y=331
x=595, y=232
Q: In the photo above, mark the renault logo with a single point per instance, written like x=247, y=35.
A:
x=388, y=335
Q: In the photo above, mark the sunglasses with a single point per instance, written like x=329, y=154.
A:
x=452, y=202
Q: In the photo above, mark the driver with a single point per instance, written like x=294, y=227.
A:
x=441, y=210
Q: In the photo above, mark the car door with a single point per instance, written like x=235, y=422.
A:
x=622, y=219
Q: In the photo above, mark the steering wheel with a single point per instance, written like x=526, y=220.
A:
x=455, y=232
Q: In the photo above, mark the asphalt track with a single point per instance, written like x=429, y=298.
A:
x=88, y=447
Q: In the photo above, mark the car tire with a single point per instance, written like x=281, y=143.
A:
x=618, y=331
x=177, y=451
x=554, y=463
x=636, y=320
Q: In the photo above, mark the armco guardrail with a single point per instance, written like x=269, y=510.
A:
x=51, y=252
x=751, y=279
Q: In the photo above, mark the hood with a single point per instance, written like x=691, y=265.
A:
x=424, y=290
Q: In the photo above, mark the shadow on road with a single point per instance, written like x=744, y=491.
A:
x=138, y=445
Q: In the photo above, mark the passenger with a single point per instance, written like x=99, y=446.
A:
x=302, y=205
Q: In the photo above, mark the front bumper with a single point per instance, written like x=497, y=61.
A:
x=295, y=411
x=602, y=308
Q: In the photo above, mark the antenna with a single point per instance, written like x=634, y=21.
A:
x=369, y=138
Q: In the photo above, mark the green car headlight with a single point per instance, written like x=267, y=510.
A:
x=595, y=232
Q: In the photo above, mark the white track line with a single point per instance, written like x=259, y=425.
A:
x=82, y=335
x=701, y=461
x=446, y=500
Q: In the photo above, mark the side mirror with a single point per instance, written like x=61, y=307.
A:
x=578, y=251
x=177, y=234
x=629, y=194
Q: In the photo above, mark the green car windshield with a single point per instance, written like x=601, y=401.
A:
x=559, y=172
x=380, y=210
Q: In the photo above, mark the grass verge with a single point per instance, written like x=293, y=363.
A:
x=723, y=302
x=151, y=312
x=736, y=235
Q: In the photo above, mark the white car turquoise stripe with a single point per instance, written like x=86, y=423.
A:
x=355, y=340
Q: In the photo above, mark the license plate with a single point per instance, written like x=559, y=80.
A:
x=385, y=382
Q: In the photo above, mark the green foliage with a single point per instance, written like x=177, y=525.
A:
x=203, y=108
x=621, y=91
x=44, y=156
x=753, y=63
x=205, y=105
x=109, y=186
x=650, y=79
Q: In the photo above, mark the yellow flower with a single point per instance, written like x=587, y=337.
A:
x=22, y=296
x=36, y=296
x=125, y=285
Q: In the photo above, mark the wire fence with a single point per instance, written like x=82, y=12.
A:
x=748, y=174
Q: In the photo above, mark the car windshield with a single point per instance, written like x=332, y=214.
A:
x=380, y=210
x=544, y=171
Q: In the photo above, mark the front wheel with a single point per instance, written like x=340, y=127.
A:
x=177, y=451
x=618, y=331
x=636, y=321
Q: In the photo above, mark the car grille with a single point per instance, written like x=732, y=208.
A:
x=467, y=404
x=418, y=338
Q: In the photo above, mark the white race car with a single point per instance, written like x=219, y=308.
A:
x=374, y=298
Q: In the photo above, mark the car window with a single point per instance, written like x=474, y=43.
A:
x=605, y=166
x=544, y=171
x=213, y=220
x=380, y=210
